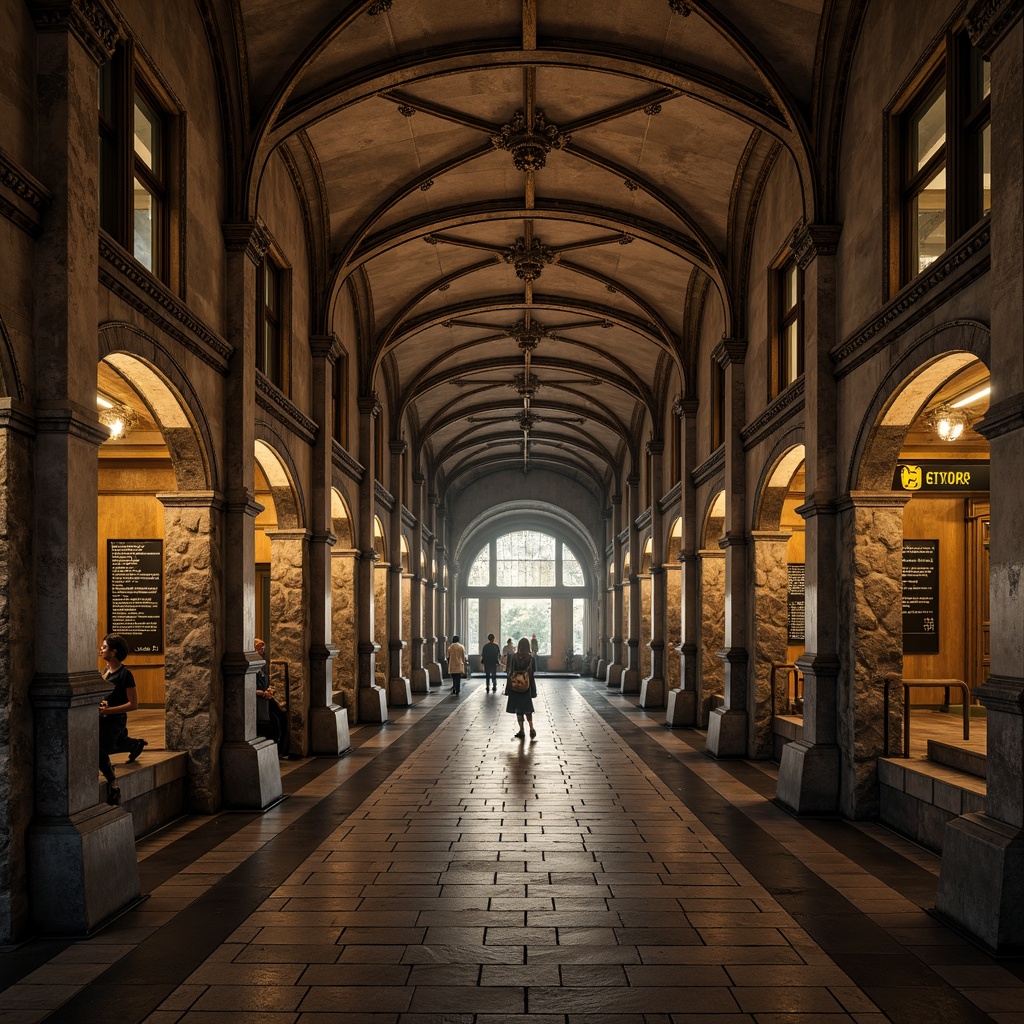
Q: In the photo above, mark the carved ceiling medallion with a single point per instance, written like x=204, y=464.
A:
x=529, y=145
x=528, y=258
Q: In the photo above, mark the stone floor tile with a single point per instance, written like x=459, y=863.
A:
x=479, y=999
x=250, y=997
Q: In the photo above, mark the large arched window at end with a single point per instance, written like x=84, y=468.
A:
x=480, y=570
x=525, y=559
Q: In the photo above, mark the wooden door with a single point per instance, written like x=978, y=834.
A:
x=977, y=618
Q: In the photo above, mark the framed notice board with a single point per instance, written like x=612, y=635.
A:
x=795, y=606
x=920, y=597
x=135, y=593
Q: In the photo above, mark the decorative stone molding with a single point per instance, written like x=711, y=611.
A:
x=782, y=408
x=529, y=144
x=379, y=7
x=325, y=346
x=670, y=499
x=136, y=286
x=342, y=460
x=728, y=351
x=16, y=416
x=87, y=20
x=1002, y=693
x=685, y=406
x=73, y=420
x=939, y=283
x=271, y=399
x=248, y=237
x=712, y=466
x=383, y=496
x=398, y=448
x=23, y=200
x=1003, y=418
x=655, y=447
x=989, y=21
x=369, y=403
x=408, y=520
x=809, y=241
x=528, y=258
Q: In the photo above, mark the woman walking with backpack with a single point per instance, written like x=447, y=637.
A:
x=521, y=687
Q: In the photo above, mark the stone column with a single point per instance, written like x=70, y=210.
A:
x=769, y=615
x=82, y=854
x=615, y=669
x=16, y=620
x=983, y=854
x=372, y=703
x=711, y=683
x=728, y=725
x=289, y=603
x=809, y=772
x=399, y=688
x=194, y=703
x=870, y=643
x=345, y=627
x=431, y=663
x=603, y=598
x=250, y=771
x=417, y=571
x=631, y=673
x=652, y=689
x=442, y=624
x=328, y=724
x=683, y=705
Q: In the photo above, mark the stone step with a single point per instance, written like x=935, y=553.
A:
x=152, y=789
x=959, y=757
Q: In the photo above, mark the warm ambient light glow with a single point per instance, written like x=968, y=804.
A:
x=117, y=418
x=971, y=399
x=948, y=422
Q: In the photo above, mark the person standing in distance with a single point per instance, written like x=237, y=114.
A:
x=534, y=646
x=456, y=664
x=490, y=656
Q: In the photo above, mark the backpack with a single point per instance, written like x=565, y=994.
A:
x=519, y=679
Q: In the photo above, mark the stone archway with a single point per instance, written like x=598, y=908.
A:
x=186, y=507
x=344, y=556
x=282, y=528
x=871, y=531
x=776, y=543
x=711, y=590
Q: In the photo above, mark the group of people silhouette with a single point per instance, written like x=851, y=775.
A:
x=519, y=662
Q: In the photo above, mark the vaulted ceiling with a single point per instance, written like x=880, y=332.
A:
x=531, y=196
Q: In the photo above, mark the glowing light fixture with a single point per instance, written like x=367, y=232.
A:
x=971, y=399
x=948, y=421
x=118, y=418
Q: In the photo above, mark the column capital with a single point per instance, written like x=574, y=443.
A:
x=247, y=237
x=809, y=241
x=655, y=447
x=1003, y=417
x=684, y=406
x=729, y=351
x=988, y=22
x=325, y=346
x=872, y=499
x=212, y=500
x=398, y=447
x=616, y=499
x=369, y=403
x=87, y=20
x=419, y=479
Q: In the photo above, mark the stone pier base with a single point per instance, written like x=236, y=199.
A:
x=981, y=881
x=83, y=870
x=399, y=692
x=614, y=676
x=373, y=704
x=681, y=708
x=652, y=692
x=251, y=774
x=601, y=671
x=630, y=681
x=727, y=733
x=419, y=681
x=808, y=778
x=434, y=673
x=328, y=729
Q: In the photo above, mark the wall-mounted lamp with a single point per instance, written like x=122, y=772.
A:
x=948, y=422
x=118, y=418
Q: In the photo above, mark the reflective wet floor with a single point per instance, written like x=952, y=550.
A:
x=445, y=871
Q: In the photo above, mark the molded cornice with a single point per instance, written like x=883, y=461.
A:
x=273, y=400
x=350, y=466
x=131, y=282
x=781, y=409
x=23, y=200
x=989, y=21
x=710, y=467
x=87, y=20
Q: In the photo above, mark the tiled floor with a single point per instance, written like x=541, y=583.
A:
x=445, y=872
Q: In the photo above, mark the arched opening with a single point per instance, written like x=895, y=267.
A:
x=711, y=599
x=282, y=606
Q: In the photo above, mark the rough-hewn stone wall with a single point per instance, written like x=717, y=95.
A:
x=769, y=615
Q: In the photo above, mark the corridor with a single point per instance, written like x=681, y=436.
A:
x=444, y=871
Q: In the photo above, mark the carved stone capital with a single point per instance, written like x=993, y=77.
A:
x=398, y=447
x=655, y=447
x=988, y=22
x=325, y=346
x=1003, y=417
x=369, y=404
x=810, y=241
x=247, y=237
x=87, y=20
x=728, y=351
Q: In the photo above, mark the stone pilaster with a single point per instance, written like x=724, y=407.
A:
x=328, y=724
x=652, y=688
x=682, y=703
x=809, y=774
x=431, y=664
x=980, y=886
x=16, y=621
x=418, y=572
x=711, y=688
x=371, y=701
x=250, y=771
x=399, y=687
x=769, y=629
x=728, y=725
x=194, y=701
x=870, y=644
x=617, y=624
x=634, y=610
x=82, y=855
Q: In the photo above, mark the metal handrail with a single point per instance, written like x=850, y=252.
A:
x=907, y=685
x=791, y=671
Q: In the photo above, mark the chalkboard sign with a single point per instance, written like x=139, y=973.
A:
x=920, y=597
x=795, y=604
x=135, y=602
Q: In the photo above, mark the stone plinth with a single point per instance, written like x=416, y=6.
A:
x=251, y=774
x=328, y=731
x=652, y=693
x=373, y=704
x=681, y=707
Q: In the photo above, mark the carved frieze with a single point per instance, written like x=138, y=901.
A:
x=781, y=409
x=23, y=200
x=270, y=398
x=990, y=20
x=88, y=20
